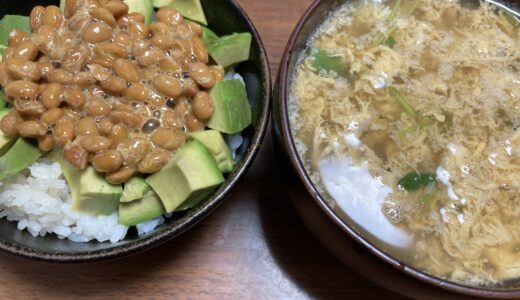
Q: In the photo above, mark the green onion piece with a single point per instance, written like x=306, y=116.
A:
x=382, y=37
x=415, y=180
x=395, y=9
x=427, y=197
x=321, y=60
x=390, y=42
x=421, y=125
x=412, y=9
x=402, y=101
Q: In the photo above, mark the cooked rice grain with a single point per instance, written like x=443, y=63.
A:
x=39, y=200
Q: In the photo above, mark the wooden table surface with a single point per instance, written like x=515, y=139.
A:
x=253, y=246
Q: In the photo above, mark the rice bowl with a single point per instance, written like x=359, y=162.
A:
x=256, y=72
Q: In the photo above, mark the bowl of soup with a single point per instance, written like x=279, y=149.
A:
x=400, y=119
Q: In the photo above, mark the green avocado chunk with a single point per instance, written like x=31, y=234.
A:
x=21, y=155
x=231, y=108
x=96, y=195
x=144, y=7
x=190, y=176
x=161, y=3
x=191, y=9
x=5, y=141
x=3, y=101
x=231, y=49
x=141, y=210
x=321, y=60
x=134, y=189
x=216, y=145
x=91, y=193
x=7, y=24
x=209, y=37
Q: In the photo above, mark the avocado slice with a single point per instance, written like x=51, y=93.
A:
x=134, y=189
x=231, y=49
x=7, y=24
x=321, y=60
x=216, y=145
x=190, y=176
x=231, y=108
x=162, y=3
x=21, y=155
x=141, y=210
x=3, y=103
x=96, y=195
x=209, y=37
x=91, y=193
x=190, y=9
x=5, y=141
x=70, y=173
x=144, y=7
x=10, y=22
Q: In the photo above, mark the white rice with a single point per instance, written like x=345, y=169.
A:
x=149, y=226
x=39, y=200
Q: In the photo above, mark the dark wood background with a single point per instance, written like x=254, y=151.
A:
x=254, y=246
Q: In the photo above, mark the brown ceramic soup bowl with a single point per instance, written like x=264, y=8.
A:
x=339, y=234
x=224, y=17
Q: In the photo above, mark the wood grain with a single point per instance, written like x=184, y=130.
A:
x=254, y=246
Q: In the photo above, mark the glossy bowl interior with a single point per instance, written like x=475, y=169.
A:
x=336, y=242
x=224, y=17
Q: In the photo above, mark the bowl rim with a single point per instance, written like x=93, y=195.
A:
x=281, y=96
x=196, y=214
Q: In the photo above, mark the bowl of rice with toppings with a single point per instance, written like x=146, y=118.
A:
x=123, y=123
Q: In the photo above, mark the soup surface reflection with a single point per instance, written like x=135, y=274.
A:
x=405, y=114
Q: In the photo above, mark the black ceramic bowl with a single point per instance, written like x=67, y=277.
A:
x=224, y=17
x=331, y=228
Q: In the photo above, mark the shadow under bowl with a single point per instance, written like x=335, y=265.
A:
x=224, y=17
x=338, y=234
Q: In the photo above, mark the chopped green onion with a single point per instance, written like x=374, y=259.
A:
x=421, y=125
x=408, y=13
x=390, y=42
x=382, y=37
x=415, y=180
x=412, y=9
x=395, y=9
x=321, y=60
x=402, y=101
x=427, y=197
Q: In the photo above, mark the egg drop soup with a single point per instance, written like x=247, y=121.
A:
x=406, y=114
